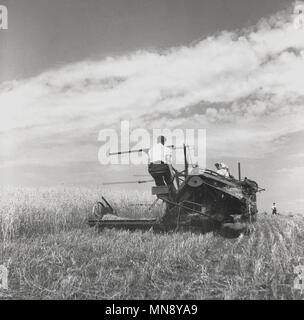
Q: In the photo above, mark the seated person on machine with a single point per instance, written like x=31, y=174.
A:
x=223, y=170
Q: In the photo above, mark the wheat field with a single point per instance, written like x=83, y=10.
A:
x=51, y=253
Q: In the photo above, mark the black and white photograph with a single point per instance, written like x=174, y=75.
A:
x=151, y=150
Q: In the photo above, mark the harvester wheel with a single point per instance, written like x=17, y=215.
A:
x=99, y=210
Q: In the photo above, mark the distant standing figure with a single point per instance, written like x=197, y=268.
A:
x=274, y=209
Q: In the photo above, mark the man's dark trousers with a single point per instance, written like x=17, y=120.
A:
x=161, y=173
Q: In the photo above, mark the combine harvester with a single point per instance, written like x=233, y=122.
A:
x=202, y=200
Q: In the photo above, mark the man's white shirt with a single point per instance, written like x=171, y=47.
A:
x=160, y=153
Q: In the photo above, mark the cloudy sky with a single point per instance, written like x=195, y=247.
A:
x=69, y=69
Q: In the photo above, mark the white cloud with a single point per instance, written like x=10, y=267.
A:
x=257, y=71
x=296, y=156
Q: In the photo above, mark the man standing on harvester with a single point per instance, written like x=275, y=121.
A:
x=160, y=163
